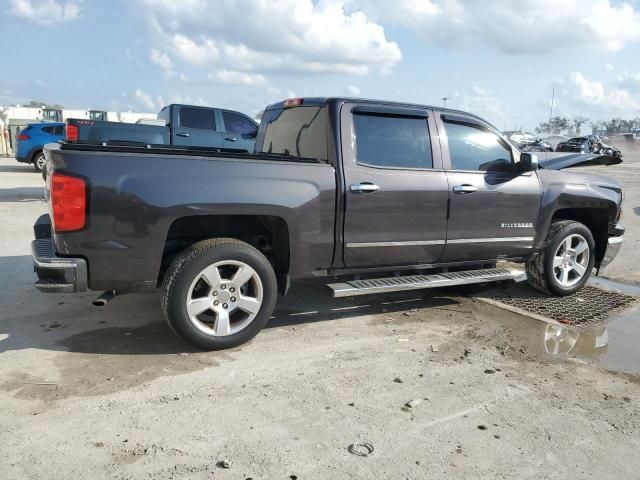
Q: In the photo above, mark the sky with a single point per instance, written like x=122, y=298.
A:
x=500, y=59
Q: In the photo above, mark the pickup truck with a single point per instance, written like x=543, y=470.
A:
x=397, y=196
x=185, y=125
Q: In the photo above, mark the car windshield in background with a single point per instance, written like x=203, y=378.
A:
x=521, y=137
x=298, y=131
x=578, y=140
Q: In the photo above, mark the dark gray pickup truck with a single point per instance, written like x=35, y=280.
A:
x=398, y=196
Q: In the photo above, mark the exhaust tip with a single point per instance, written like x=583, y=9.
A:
x=103, y=299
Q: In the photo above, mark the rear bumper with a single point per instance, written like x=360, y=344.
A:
x=55, y=274
x=614, y=244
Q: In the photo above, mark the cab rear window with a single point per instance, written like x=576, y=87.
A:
x=298, y=131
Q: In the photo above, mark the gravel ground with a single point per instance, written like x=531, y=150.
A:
x=111, y=393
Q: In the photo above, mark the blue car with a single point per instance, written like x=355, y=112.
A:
x=32, y=138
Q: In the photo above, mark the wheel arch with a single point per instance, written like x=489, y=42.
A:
x=267, y=233
x=595, y=219
x=34, y=153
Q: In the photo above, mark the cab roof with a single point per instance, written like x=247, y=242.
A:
x=321, y=101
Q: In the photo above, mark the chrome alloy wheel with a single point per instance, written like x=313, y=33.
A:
x=41, y=161
x=559, y=340
x=224, y=298
x=571, y=260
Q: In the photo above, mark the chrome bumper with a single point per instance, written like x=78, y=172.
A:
x=613, y=247
x=55, y=274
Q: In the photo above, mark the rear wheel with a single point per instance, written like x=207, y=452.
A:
x=219, y=293
x=39, y=161
x=565, y=263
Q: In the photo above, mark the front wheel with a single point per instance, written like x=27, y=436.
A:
x=219, y=293
x=565, y=263
x=39, y=161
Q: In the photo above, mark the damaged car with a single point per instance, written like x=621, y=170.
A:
x=527, y=142
x=589, y=144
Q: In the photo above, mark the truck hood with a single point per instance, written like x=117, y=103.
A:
x=560, y=160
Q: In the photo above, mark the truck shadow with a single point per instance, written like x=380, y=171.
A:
x=133, y=324
x=77, y=349
x=22, y=194
x=17, y=168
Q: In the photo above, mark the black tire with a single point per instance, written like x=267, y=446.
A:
x=540, y=270
x=189, y=264
x=39, y=159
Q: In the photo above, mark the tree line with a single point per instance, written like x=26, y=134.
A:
x=574, y=126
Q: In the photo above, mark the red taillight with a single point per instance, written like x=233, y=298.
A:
x=68, y=202
x=72, y=133
x=292, y=102
x=22, y=136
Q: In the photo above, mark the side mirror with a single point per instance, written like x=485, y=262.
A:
x=528, y=162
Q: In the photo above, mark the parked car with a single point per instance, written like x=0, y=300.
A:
x=184, y=125
x=337, y=187
x=589, y=144
x=528, y=142
x=31, y=140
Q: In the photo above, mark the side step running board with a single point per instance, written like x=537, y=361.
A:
x=413, y=282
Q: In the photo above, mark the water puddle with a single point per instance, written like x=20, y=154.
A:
x=615, y=344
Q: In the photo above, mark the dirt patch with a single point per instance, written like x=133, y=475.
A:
x=112, y=359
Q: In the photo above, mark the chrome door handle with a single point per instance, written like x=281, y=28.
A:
x=364, y=187
x=182, y=134
x=464, y=189
x=231, y=139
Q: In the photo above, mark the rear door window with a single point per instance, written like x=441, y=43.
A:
x=59, y=130
x=48, y=130
x=392, y=141
x=201, y=118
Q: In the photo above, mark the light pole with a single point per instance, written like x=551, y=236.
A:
x=444, y=101
x=553, y=98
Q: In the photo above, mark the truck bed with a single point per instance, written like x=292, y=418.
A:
x=139, y=196
x=95, y=131
x=143, y=148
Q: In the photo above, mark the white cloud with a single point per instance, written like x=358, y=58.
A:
x=154, y=103
x=529, y=26
x=186, y=99
x=46, y=12
x=239, y=78
x=577, y=94
x=258, y=37
x=145, y=99
x=195, y=53
x=630, y=81
x=609, y=67
x=163, y=61
x=352, y=91
x=481, y=102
